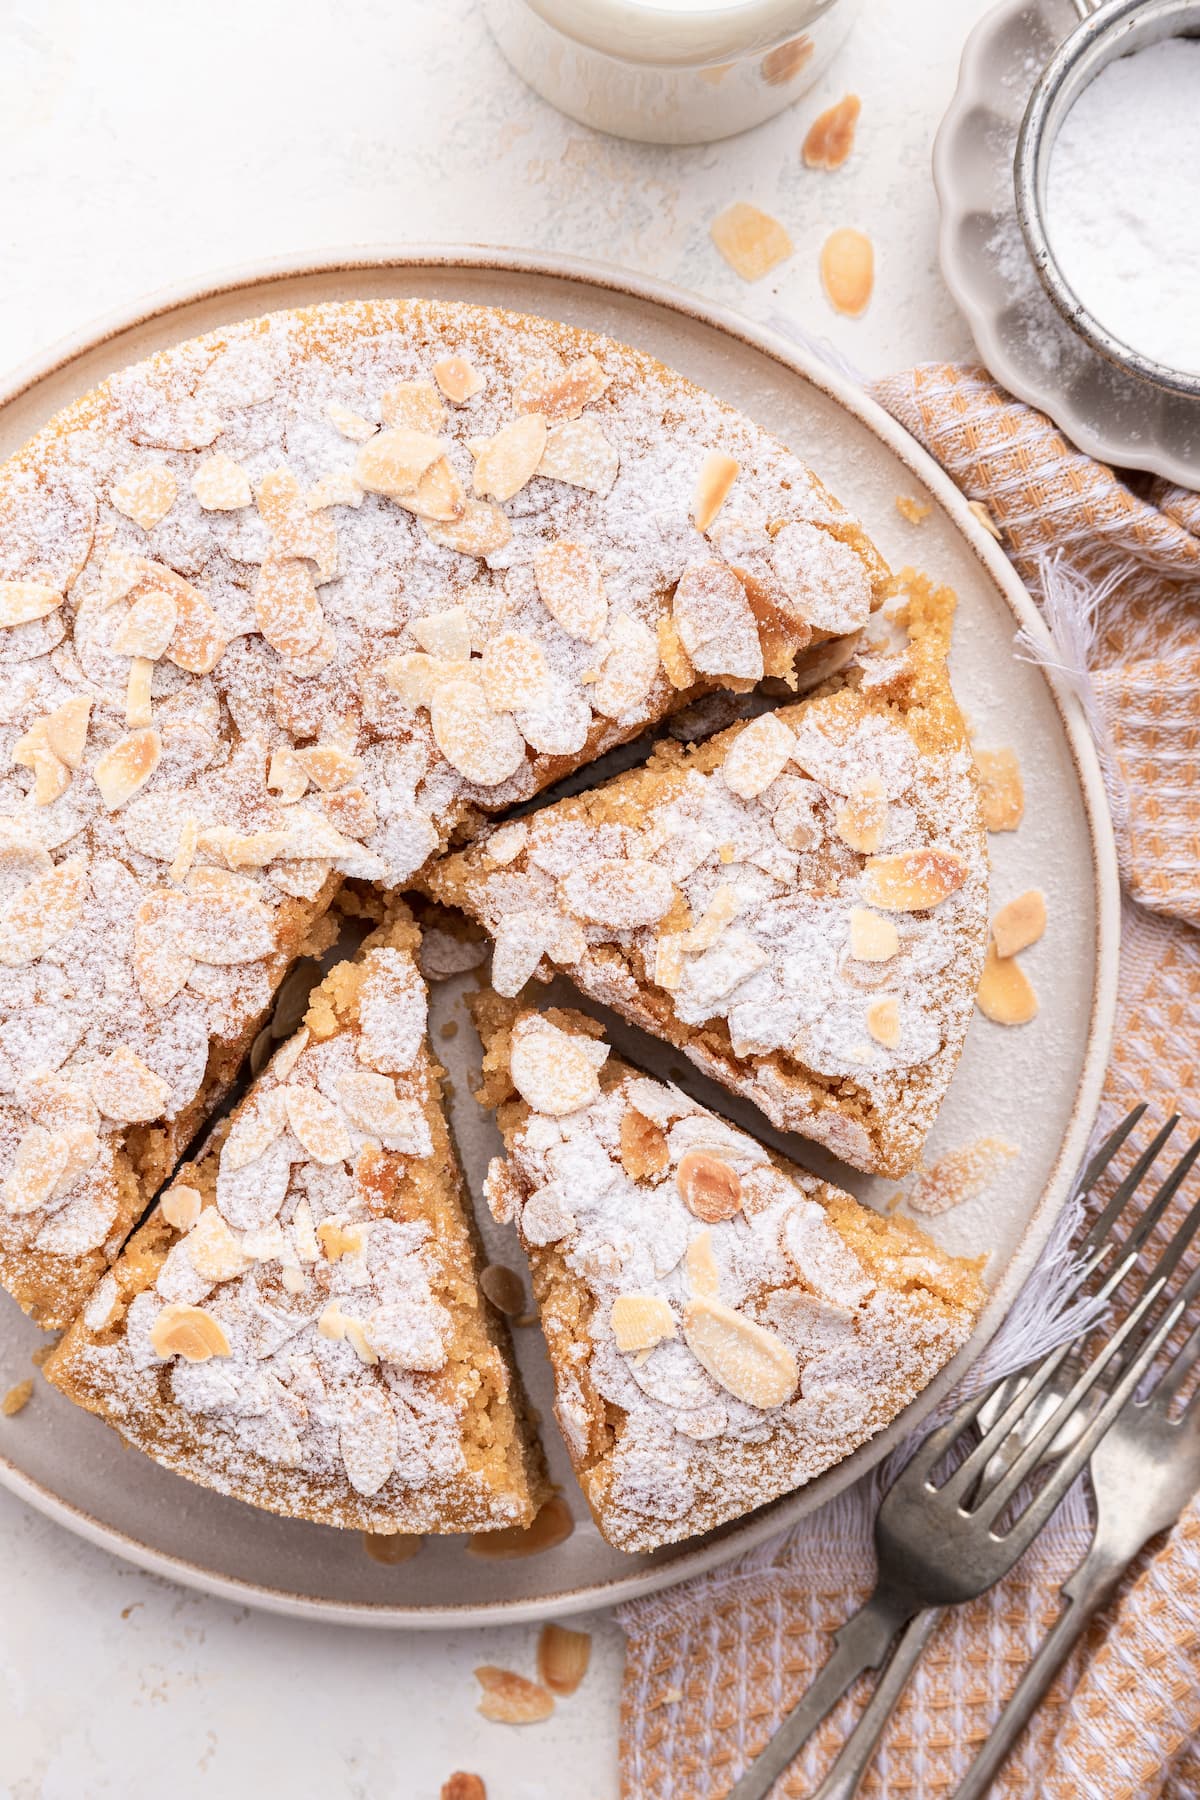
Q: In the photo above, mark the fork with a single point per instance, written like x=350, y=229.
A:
x=939, y=1544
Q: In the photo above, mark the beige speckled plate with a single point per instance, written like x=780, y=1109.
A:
x=1036, y=1087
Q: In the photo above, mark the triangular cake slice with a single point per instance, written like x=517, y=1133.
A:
x=722, y=1325
x=798, y=903
x=298, y=1323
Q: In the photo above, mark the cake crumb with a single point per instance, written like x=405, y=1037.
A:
x=915, y=511
x=16, y=1399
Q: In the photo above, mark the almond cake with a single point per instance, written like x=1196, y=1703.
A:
x=722, y=1325
x=298, y=1323
x=303, y=599
x=798, y=903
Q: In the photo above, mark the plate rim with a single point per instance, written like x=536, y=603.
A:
x=736, y=1540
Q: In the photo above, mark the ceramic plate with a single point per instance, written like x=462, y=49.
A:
x=1036, y=1087
x=1021, y=336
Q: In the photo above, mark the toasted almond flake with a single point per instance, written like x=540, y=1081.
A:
x=180, y=1206
x=1005, y=993
x=715, y=623
x=328, y=767
x=394, y=461
x=915, y=511
x=748, y=1361
x=185, y=853
x=338, y=488
x=509, y=459
x=352, y=425
x=640, y=1321
x=848, y=271
x=38, y=1167
x=981, y=513
x=458, y=380
x=126, y=1090
x=413, y=406
x=126, y=767
x=644, y=1149
x=161, y=964
x=721, y=909
x=507, y=841
x=438, y=496
x=564, y=396
x=338, y=1240
x=701, y=1265
x=757, y=755
x=297, y=532
x=1001, y=791
x=668, y=960
x=630, y=669
x=146, y=495
x=861, y=820
x=718, y=472
x=504, y=1288
x=198, y=642
x=959, y=1175
x=286, y=775
x=317, y=1123
x=42, y=912
x=190, y=1332
x=23, y=601
x=568, y=581
x=830, y=138
x=552, y=1070
x=213, y=1250
x=674, y=658
x=481, y=531
x=444, y=634
x=51, y=777
x=1020, y=923
x=392, y=1548
x=482, y=745
x=621, y=895
x=415, y=676
x=221, y=485
x=509, y=1699
x=227, y=928
x=578, y=452
x=513, y=671
x=913, y=880
x=552, y=1526
x=709, y=1188
x=872, y=938
x=17, y=1398
x=563, y=1658
x=883, y=1021
x=286, y=607
x=751, y=241
x=139, y=707
x=67, y=729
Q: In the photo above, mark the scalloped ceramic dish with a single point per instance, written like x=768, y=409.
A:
x=1022, y=338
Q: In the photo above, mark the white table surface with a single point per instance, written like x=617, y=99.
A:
x=144, y=146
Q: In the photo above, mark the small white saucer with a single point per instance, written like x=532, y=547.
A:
x=1021, y=337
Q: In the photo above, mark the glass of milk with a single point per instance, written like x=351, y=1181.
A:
x=670, y=71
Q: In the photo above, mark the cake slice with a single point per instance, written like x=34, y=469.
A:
x=298, y=1322
x=798, y=903
x=722, y=1325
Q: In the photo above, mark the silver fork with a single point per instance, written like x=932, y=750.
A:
x=939, y=1544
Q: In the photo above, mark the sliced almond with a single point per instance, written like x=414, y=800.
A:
x=213, y=1250
x=126, y=767
x=1001, y=790
x=513, y=671
x=1005, y=993
x=985, y=518
x=1020, y=923
x=221, y=485
x=190, y=1332
x=504, y=1288
x=286, y=607
x=139, y=706
x=640, y=1321
x=643, y=1145
x=913, y=880
x=328, y=767
x=286, y=775
x=509, y=459
x=830, y=138
x=416, y=676
x=482, y=745
x=256, y=1126
x=227, y=928
x=126, y=1090
x=510, y=1699
x=720, y=911
x=568, y=580
x=701, y=1265
x=413, y=406
x=148, y=626
x=349, y=423
x=185, y=853
x=481, y=531
x=146, y=495
x=458, y=380
x=337, y=1239
x=669, y=960
x=578, y=452
x=748, y=1361
x=438, y=496
x=552, y=1070
x=563, y=1658
x=758, y=754
x=445, y=634
x=318, y=1124
x=67, y=729
x=42, y=912
x=630, y=669
x=180, y=1206
x=718, y=472
x=37, y=1169
x=394, y=461
x=51, y=777
x=198, y=642
x=564, y=396
x=848, y=271
x=338, y=488
x=751, y=241
x=715, y=624
x=674, y=658
x=883, y=1021
x=161, y=964
x=861, y=820
x=23, y=601
x=872, y=939
x=710, y=1189
x=552, y=1526
x=622, y=895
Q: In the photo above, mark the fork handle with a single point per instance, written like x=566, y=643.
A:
x=1089, y=1588
x=862, y=1644
x=854, y=1758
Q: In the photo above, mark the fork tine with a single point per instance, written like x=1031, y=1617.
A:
x=1107, y=1150
x=1098, y=1234
x=1177, y=1370
x=1159, y=1204
x=930, y=1450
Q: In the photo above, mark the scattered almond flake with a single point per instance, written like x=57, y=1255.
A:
x=513, y=671
x=751, y=241
x=915, y=511
x=568, y=580
x=872, y=938
x=414, y=406
x=564, y=396
x=1020, y=923
x=338, y=488
x=16, y=1399
x=227, y=929
x=758, y=754
x=1001, y=792
x=146, y=495
x=628, y=672
x=622, y=895
x=507, y=841
x=861, y=820
x=913, y=880
x=213, y=1250
x=190, y=1332
x=51, y=776
x=286, y=607
x=578, y=451
x=830, y=138
x=328, y=767
x=44, y=911
x=444, y=634
x=352, y=425
x=552, y=1526
x=883, y=1021
x=126, y=767
x=718, y=472
x=415, y=675
x=640, y=1321
x=67, y=728
x=509, y=459
x=715, y=623
x=139, y=707
x=38, y=1167
x=286, y=775
x=552, y=1070
x=668, y=960
x=848, y=271
x=563, y=1657
x=720, y=911
x=644, y=1148
x=1005, y=993
x=199, y=642
x=510, y=1699
x=392, y=1548
x=393, y=461
x=181, y=862
x=675, y=659
x=23, y=601
x=338, y=1240
x=457, y=379
x=483, y=745
x=710, y=1189
x=180, y=1206
x=44, y=1352
x=481, y=531
x=221, y=485
x=439, y=495
x=750, y=1362
x=701, y=1265
x=504, y=1288
x=959, y=1175
x=126, y=1090
x=981, y=513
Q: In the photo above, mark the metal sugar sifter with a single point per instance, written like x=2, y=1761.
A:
x=1106, y=30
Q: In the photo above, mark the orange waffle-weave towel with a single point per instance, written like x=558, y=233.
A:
x=712, y=1667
